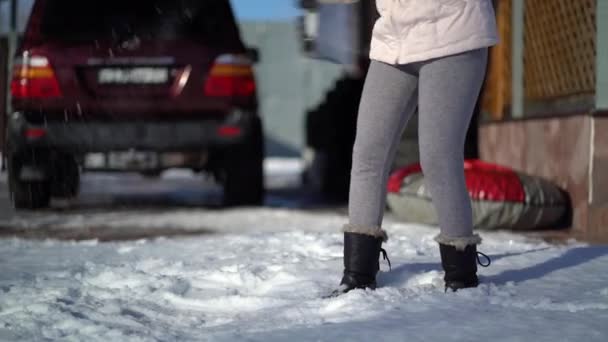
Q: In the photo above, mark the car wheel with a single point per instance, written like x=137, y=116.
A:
x=65, y=177
x=243, y=170
x=26, y=194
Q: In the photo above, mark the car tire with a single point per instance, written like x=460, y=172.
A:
x=330, y=133
x=28, y=195
x=65, y=177
x=243, y=170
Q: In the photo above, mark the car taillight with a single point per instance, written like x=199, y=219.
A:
x=33, y=77
x=35, y=133
x=229, y=131
x=230, y=76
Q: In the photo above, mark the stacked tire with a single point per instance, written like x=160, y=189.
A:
x=330, y=134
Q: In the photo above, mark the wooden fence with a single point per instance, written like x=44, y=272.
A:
x=559, y=53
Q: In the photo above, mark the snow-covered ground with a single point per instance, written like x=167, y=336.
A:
x=261, y=275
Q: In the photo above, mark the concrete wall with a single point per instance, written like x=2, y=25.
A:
x=288, y=83
x=23, y=12
x=570, y=151
x=598, y=209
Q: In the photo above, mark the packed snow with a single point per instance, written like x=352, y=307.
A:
x=261, y=275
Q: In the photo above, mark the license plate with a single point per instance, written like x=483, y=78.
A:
x=143, y=75
x=133, y=160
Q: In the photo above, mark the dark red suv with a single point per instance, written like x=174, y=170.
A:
x=162, y=76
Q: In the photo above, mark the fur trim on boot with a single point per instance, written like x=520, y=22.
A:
x=460, y=243
x=376, y=232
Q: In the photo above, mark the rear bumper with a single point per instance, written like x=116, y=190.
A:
x=161, y=136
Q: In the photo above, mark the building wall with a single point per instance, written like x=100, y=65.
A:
x=23, y=12
x=598, y=211
x=570, y=151
x=288, y=83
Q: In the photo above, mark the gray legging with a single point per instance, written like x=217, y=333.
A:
x=445, y=91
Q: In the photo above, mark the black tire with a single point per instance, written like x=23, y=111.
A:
x=65, y=177
x=243, y=170
x=25, y=194
x=330, y=132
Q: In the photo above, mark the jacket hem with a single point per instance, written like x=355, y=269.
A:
x=383, y=53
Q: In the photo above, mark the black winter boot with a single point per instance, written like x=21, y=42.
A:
x=361, y=254
x=460, y=265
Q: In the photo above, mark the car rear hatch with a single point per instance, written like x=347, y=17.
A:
x=148, y=72
x=129, y=57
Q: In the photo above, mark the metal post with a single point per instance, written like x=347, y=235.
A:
x=12, y=48
x=13, y=18
x=517, y=60
x=601, y=86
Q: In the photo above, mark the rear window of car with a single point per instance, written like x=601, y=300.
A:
x=208, y=21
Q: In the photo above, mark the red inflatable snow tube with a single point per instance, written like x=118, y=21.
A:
x=501, y=198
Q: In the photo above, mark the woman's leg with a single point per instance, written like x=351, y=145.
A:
x=449, y=88
x=389, y=98
x=388, y=101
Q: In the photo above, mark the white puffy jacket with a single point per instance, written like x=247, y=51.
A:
x=417, y=30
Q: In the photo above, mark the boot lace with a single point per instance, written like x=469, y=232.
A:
x=385, y=257
x=479, y=254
